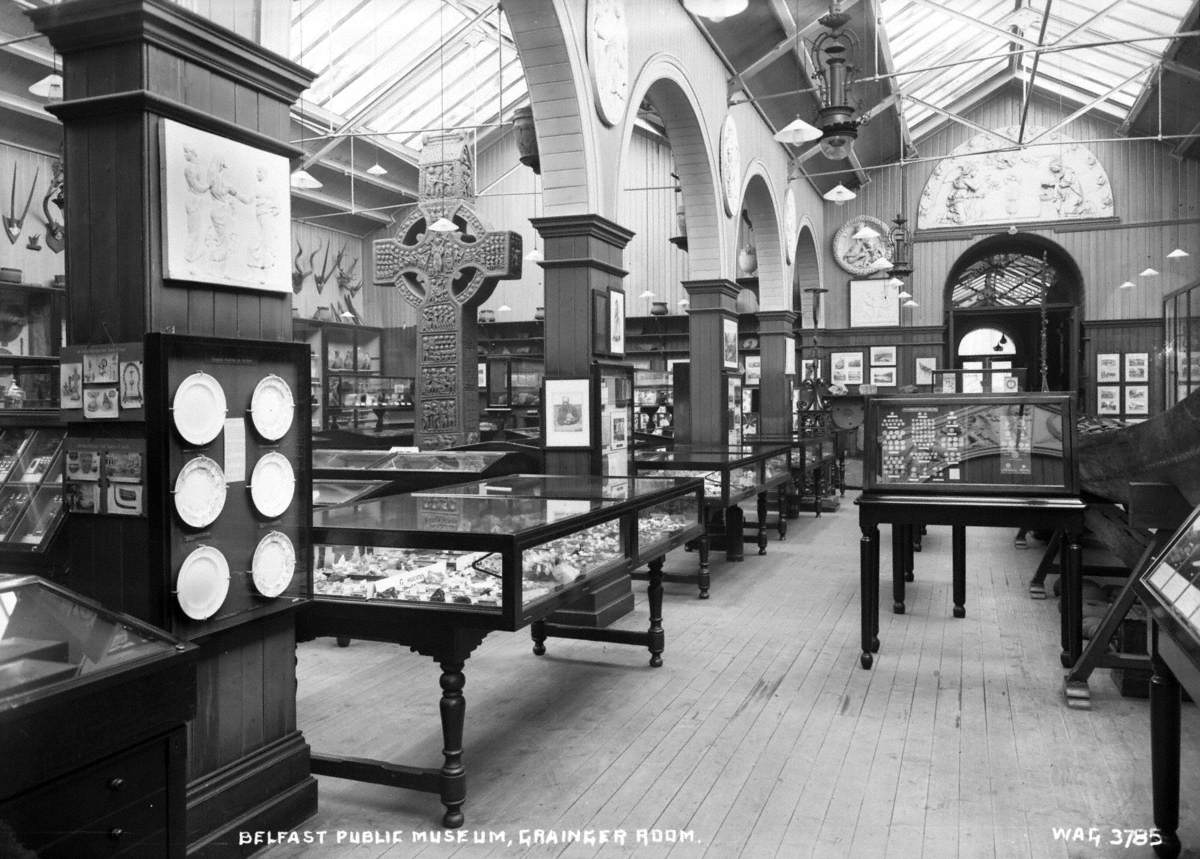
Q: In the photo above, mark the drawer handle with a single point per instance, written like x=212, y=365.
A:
x=115, y=833
x=116, y=783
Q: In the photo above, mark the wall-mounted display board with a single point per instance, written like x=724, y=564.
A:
x=229, y=494
x=612, y=412
x=984, y=444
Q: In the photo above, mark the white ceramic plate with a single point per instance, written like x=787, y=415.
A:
x=200, y=492
x=273, y=565
x=199, y=408
x=272, y=407
x=203, y=583
x=272, y=484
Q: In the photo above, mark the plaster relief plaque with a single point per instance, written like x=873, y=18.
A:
x=1058, y=179
x=608, y=57
x=790, y=224
x=857, y=255
x=731, y=165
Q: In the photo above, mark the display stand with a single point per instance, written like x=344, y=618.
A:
x=437, y=571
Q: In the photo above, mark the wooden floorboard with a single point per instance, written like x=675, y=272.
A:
x=760, y=736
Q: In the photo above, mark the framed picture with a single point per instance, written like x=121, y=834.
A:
x=1108, y=399
x=729, y=342
x=71, y=392
x=811, y=368
x=883, y=377
x=131, y=385
x=619, y=430
x=1137, y=367
x=601, y=340
x=873, y=304
x=1108, y=367
x=100, y=403
x=100, y=367
x=616, y=322
x=789, y=356
x=883, y=356
x=1137, y=400
x=568, y=414
x=753, y=369
x=846, y=368
x=923, y=370
x=482, y=383
x=226, y=211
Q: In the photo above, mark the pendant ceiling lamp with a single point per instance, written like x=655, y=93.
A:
x=715, y=10
x=1178, y=253
x=377, y=169
x=798, y=131
x=839, y=194
x=50, y=87
x=865, y=232
x=305, y=180
x=1129, y=284
x=833, y=51
x=1148, y=271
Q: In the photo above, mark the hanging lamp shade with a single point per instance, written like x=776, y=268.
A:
x=444, y=225
x=534, y=255
x=304, y=179
x=503, y=308
x=904, y=294
x=377, y=169
x=1178, y=253
x=646, y=294
x=49, y=87
x=1148, y=271
x=911, y=303
x=865, y=232
x=896, y=282
x=715, y=10
x=839, y=194
x=798, y=131
x=881, y=264
x=1129, y=284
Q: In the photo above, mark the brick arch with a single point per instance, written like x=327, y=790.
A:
x=664, y=82
x=550, y=44
x=759, y=201
x=807, y=269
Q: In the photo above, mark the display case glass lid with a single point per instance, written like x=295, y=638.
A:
x=347, y=458
x=713, y=456
x=567, y=486
x=50, y=638
x=466, y=461
x=407, y=515
x=327, y=493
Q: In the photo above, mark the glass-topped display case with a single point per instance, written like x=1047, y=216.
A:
x=368, y=402
x=652, y=401
x=731, y=474
x=408, y=471
x=1170, y=587
x=981, y=444
x=330, y=493
x=31, y=490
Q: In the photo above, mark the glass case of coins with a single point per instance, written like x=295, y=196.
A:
x=980, y=444
x=731, y=474
x=486, y=560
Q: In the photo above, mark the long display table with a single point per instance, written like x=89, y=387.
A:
x=438, y=571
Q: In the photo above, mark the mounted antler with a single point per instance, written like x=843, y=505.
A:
x=56, y=233
x=326, y=271
x=13, y=223
x=298, y=274
x=344, y=274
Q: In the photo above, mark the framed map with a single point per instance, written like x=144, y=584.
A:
x=873, y=304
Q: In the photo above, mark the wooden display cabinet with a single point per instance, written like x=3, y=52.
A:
x=653, y=403
x=342, y=350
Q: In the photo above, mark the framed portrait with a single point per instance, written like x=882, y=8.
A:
x=883, y=377
x=226, y=211
x=1137, y=367
x=873, y=303
x=616, y=322
x=729, y=342
x=1137, y=400
x=1108, y=367
x=1108, y=399
x=846, y=368
x=601, y=339
x=883, y=356
x=568, y=413
x=923, y=370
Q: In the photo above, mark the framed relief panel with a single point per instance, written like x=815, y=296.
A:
x=873, y=304
x=226, y=211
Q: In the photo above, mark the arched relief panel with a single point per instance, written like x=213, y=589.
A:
x=664, y=83
x=806, y=270
x=758, y=200
x=550, y=41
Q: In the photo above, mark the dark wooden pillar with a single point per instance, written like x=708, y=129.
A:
x=127, y=66
x=584, y=256
x=775, y=340
x=711, y=303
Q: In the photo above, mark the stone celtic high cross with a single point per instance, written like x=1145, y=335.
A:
x=446, y=276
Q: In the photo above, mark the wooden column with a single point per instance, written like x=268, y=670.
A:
x=127, y=65
x=711, y=302
x=584, y=256
x=775, y=339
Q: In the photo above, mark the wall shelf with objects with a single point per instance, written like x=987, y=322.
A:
x=338, y=349
x=653, y=403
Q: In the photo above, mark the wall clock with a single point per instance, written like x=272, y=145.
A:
x=731, y=165
x=608, y=57
x=857, y=255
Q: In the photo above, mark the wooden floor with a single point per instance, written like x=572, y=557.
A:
x=761, y=735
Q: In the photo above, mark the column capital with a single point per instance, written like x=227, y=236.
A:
x=588, y=226
x=717, y=294
x=776, y=321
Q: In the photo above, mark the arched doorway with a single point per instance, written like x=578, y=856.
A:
x=1028, y=291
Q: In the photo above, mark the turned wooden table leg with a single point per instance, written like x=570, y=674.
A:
x=910, y=540
x=818, y=488
x=453, y=775
x=654, y=595
x=537, y=631
x=735, y=540
x=868, y=546
x=899, y=534
x=782, y=527
x=762, y=522
x=1072, y=598
x=1164, y=755
x=958, y=562
x=702, y=578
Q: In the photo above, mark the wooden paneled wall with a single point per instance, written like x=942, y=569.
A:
x=37, y=266
x=1157, y=199
x=1122, y=337
x=910, y=343
x=329, y=297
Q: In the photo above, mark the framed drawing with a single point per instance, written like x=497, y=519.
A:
x=1137, y=400
x=226, y=211
x=846, y=368
x=1108, y=368
x=883, y=377
x=812, y=368
x=883, y=356
x=568, y=415
x=1137, y=367
x=1108, y=399
x=873, y=303
x=753, y=369
x=616, y=322
x=729, y=343
x=601, y=339
x=923, y=370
